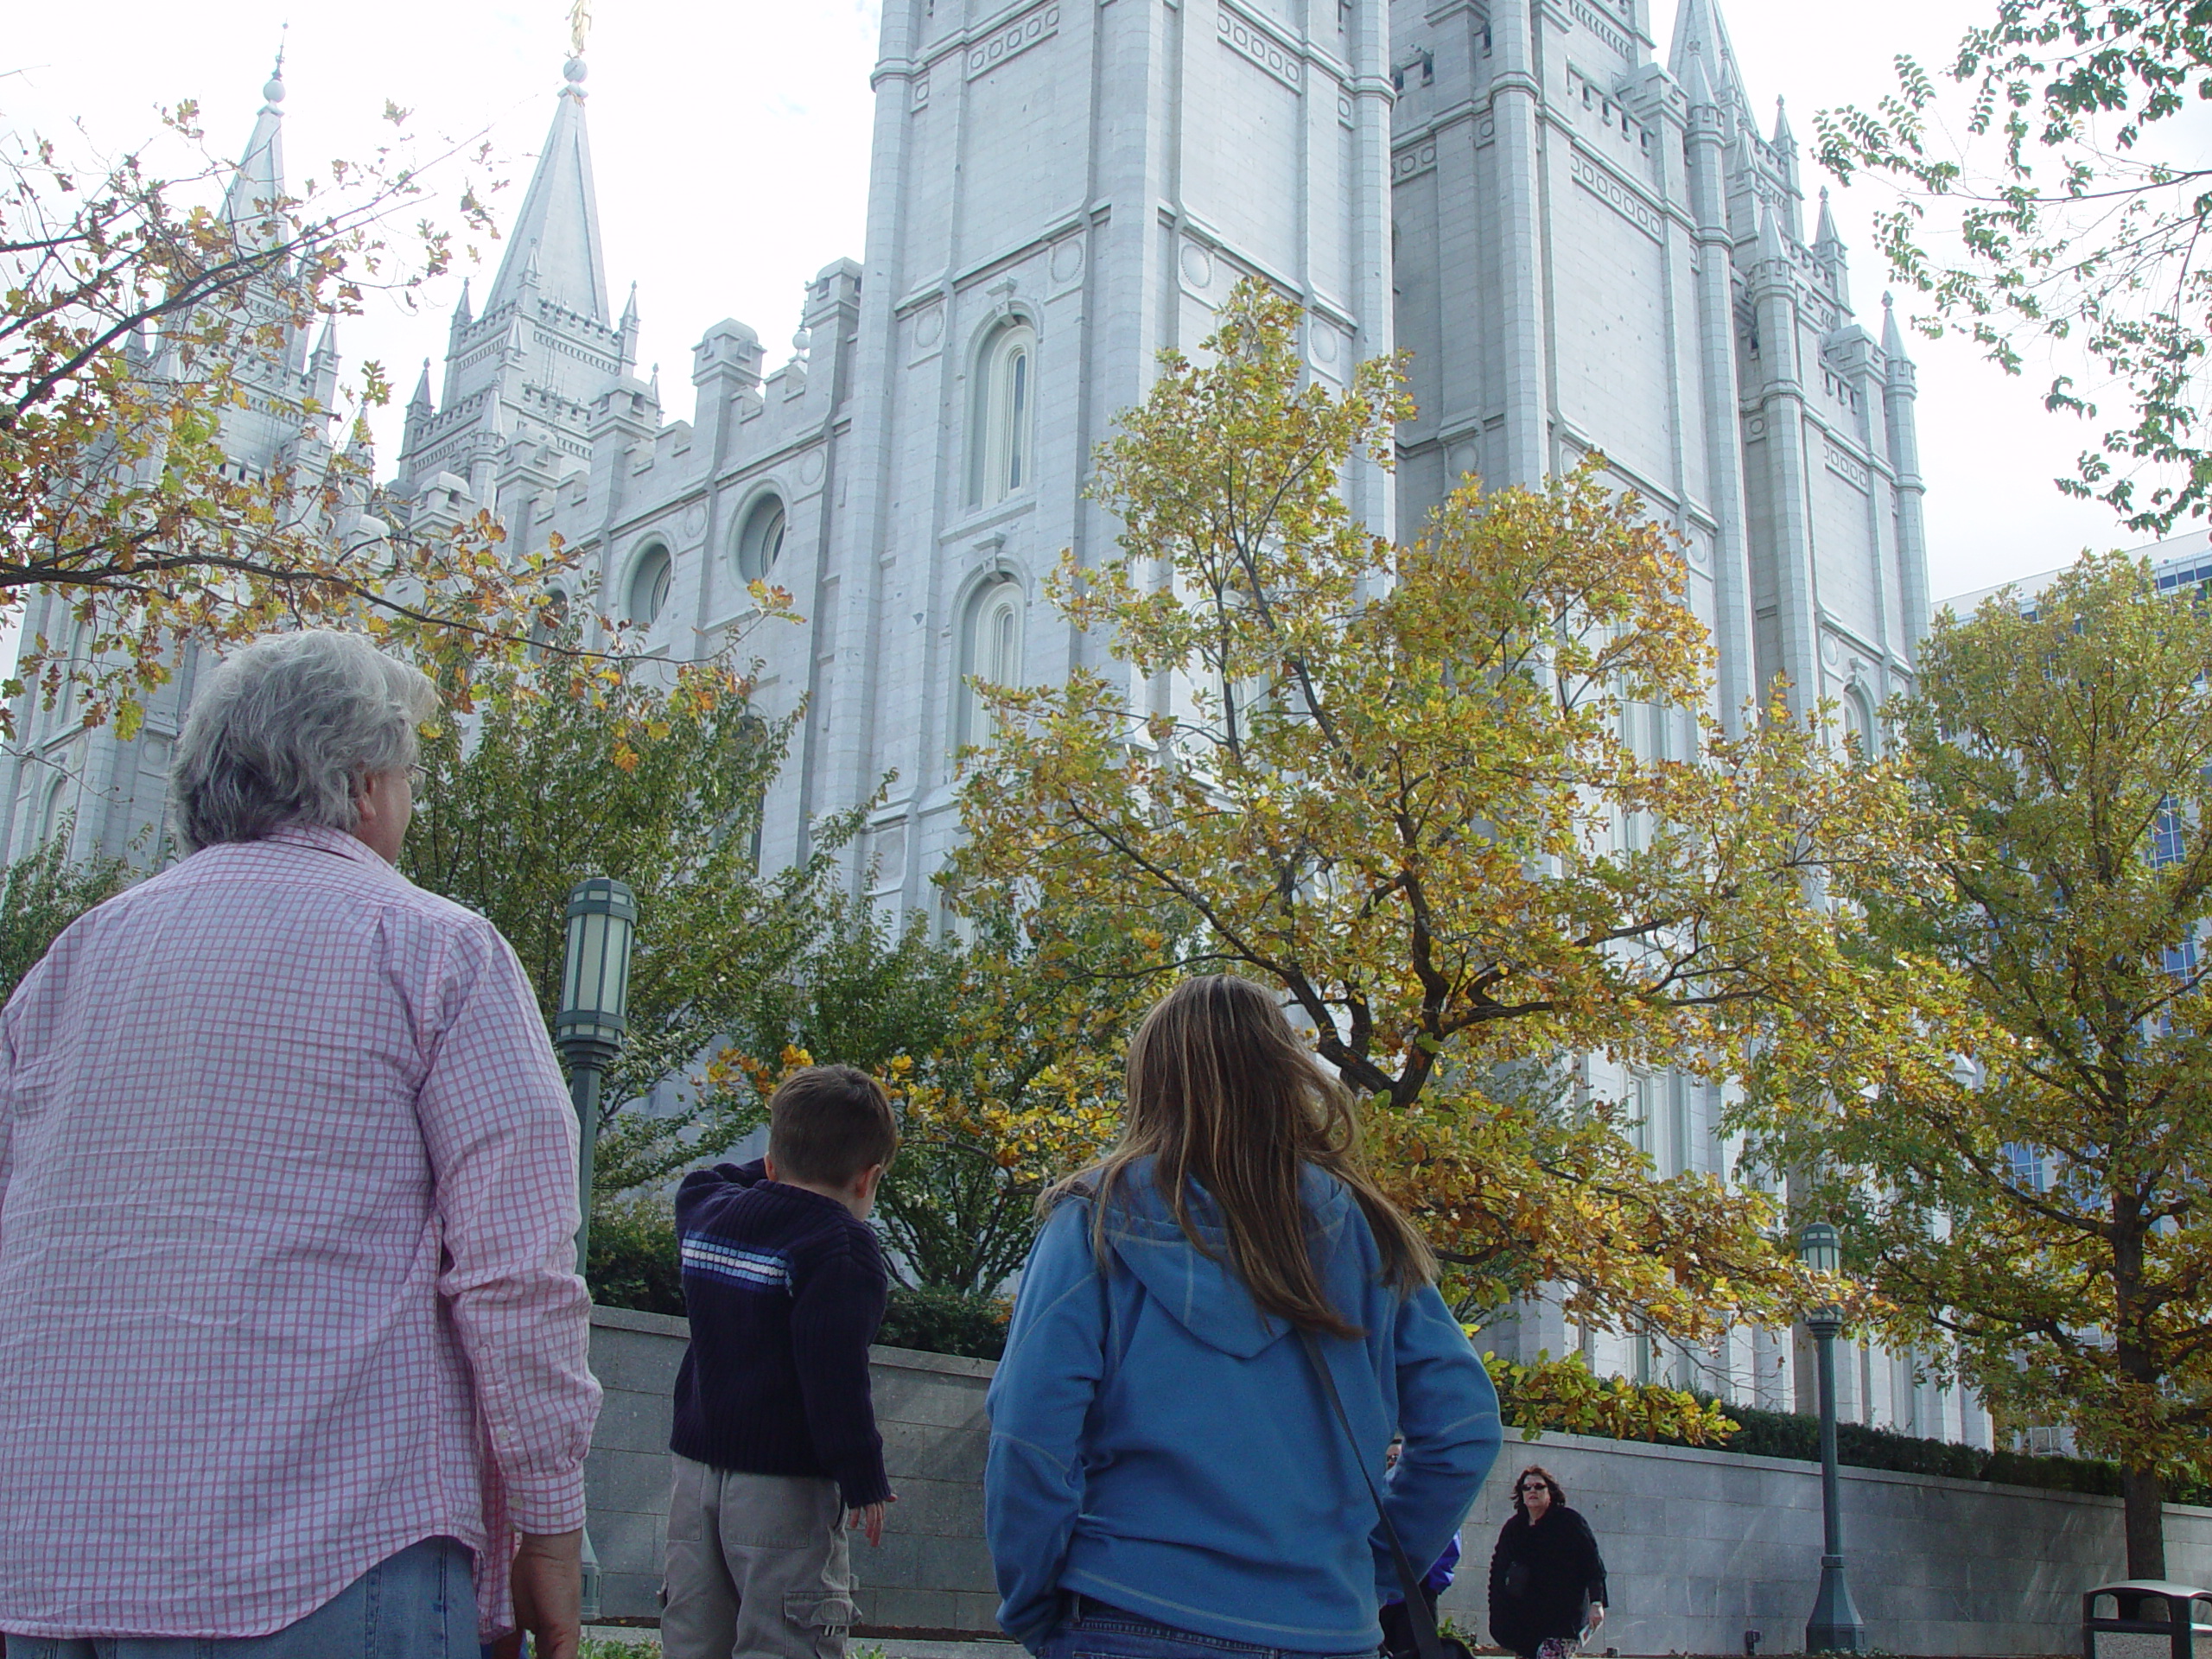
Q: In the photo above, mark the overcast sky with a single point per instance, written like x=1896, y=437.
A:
x=731, y=142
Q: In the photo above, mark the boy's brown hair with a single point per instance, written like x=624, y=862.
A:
x=828, y=1123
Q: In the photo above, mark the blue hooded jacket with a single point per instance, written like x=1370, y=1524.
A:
x=1159, y=1444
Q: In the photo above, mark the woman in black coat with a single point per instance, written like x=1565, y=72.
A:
x=1547, y=1579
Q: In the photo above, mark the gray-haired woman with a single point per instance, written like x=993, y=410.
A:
x=288, y=1209
x=311, y=728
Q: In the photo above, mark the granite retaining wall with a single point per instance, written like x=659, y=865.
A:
x=1702, y=1546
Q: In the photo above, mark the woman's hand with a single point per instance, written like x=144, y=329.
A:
x=1597, y=1614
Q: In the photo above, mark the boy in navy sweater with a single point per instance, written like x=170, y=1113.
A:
x=777, y=1453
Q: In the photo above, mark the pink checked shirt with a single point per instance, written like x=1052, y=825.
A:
x=287, y=1268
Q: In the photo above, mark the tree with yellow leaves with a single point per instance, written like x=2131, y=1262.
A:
x=2026, y=1183
x=1391, y=781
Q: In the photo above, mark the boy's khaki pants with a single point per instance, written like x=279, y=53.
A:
x=758, y=1565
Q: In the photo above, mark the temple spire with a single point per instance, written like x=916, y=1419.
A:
x=1828, y=250
x=323, y=367
x=1770, y=235
x=420, y=413
x=1700, y=32
x=557, y=233
x=256, y=191
x=1697, y=85
x=628, y=330
x=1784, y=138
x=1892, y=338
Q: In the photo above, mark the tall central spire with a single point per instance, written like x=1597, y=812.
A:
x=257, y=190
x=525, y=366
x=556, y=242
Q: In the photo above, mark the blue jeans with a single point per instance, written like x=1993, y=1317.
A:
x=420, y=1604
x=1089, y=1628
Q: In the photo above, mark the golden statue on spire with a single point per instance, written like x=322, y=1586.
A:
x=579, y=26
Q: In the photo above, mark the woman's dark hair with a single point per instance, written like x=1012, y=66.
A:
x=1222, y=1091
x=1559, y=1492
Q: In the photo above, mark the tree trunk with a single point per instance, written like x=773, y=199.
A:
x=2137, y=1373
x=2146, y=1522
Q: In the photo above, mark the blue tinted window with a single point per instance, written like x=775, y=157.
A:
x=2168, y=835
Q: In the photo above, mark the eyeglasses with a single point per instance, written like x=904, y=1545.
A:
x=417, y=774
x=1534, y=1486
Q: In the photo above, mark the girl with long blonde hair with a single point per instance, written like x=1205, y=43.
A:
x=1168, y=1477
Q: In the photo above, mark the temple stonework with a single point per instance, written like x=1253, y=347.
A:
x=1583, y=249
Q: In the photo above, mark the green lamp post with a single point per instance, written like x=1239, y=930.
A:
x=588, y=1031
x=1835, y=1626
x=595, y=1012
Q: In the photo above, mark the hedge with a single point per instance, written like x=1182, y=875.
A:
x=1797, y=1435
x=632, y=1262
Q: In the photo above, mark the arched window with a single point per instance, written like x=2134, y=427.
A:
x=1859, y=721
x=760, y=540
x=51, y=817
x=1006, y=394
x=649, y=581
x=549, y=622
x=990, y=652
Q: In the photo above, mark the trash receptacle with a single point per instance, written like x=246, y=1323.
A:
x=2147, y=1619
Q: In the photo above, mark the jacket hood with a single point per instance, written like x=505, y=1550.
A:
x=1201, y=1288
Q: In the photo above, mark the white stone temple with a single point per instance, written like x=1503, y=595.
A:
x=1583, y=247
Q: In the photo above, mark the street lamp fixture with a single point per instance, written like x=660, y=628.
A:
x=1835, y=1626
x=594, y=1014
x=589, y=1029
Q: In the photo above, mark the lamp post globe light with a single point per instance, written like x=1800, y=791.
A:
x=1834, y=1626
x=588, y=1031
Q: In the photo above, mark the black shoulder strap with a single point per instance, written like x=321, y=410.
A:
x=1418, y=1612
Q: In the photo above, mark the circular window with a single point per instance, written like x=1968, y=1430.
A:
x=649, y=587
x=760, y=544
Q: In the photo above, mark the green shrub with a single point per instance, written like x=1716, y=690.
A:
x=944, y=1322
x=631, y=1259
x=43, y=892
